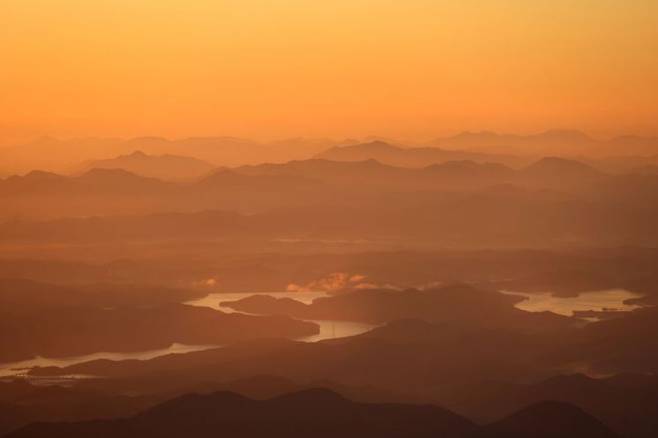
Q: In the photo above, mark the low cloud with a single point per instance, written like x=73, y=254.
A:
x=336, y=282
x=208, y=282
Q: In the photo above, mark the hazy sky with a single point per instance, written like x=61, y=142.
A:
x=273, y=68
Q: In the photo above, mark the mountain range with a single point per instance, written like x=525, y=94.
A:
x=65, y=155
x=551, y=201
x=552, y=142
x=166, y=167
x=320, y=413
x=58, y=155
x=411, y=157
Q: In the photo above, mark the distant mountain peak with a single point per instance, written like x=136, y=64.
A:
x=378, y=143
x=559, y=164
x=393, y=155
x=149, y=138
x=155, y=166
x=314, y=412
x=100, y=172
x=371, y=146
x=551, y=160
x=565, y=134
x=41, y=175
x=548, y=419
x=476, y=134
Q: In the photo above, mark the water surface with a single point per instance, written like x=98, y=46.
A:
x=21, y=367
x=215, y=299
x=611, y=299
x=329, y=329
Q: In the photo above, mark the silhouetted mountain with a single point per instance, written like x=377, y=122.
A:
x=407, y=357
x=315, y=412
x=22, y=295
x=93, y=182
x=626, y=403
x=467, y=167
x=492, y=139
x=561, y=271
x=363, y=174
x=631, y=190
x=36, y=319
x=649, y=169
x=33, y=182
x=354, y=173
x=466, y=173
x=547, y=420
x=455, y=304
x=316, y=212
x=22, y=403
x=100, y=192
x=96, y=192
x=226, y=179
x=632, y=144
x=263, y=387
x=561, y=168
x=167, y=167
x=554, y=202
x=619, y=344
x=170, y=226
x=552, y=142
x=118, y=181
x=12, y=417
x=623, y=163
x=408, y=157
x=62, y=155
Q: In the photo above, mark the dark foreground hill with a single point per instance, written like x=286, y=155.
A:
x=627, y=403
x=547, y=420
x=310, y=413
x=320, y=413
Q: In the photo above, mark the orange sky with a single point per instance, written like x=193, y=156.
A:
x=274, y=68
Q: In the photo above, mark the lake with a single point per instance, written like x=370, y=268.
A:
x=14, y=368
x=611, y=299
x=329, y=329
x=213, y=300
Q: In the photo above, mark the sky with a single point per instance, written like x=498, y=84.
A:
x=279, y=68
